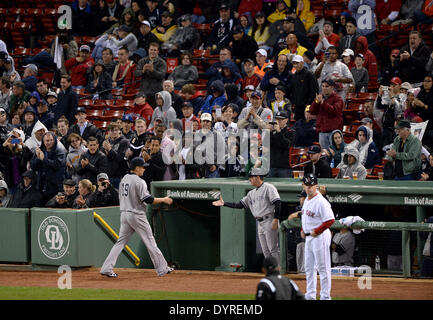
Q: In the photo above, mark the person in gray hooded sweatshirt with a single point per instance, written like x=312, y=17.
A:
x=368, y=151
x=5, y=196
x=163, y=109
x=351, y=164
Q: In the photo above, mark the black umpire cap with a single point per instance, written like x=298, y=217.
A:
x=309, y=179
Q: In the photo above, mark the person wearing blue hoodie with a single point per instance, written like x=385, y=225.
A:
x=368, y=152
x=336, y=148
x=217, y=97
x=83, y=19
x=229, y=73
x=48, y=162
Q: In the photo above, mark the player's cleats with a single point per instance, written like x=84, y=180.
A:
x=169, y=270
x=110, y=275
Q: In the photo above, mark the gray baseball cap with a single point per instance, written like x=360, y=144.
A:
x=102, y=176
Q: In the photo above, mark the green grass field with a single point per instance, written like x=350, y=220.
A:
x=39, y=293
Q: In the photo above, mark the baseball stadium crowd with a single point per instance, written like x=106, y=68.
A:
x=339, y=93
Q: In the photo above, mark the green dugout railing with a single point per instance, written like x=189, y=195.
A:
x=404, y=227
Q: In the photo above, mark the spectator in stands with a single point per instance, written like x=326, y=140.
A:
x=413, y=59
x=281, y=103
x=45, y=115
x=164, y=108
x=123, y=73
x=370, y=63
x=350, y=167
x=62, y=129
x=328, y=107
x=232, y=94
x=85, y=128
x=188, y=116
x=125, y=38
x=5, y=126
x=5, y=195
x=423, y=109
x=229, y=73
x=225, y=124
x=105, y=42
x=126, y=125
x=29, y=120
x=153, y=157
x=360, y=74
x=251, y=78
x=93, y=161
x=26, y=194
x=317, y=165
x=42, y=89
x=348, y=58
x=154, y=11
x=106, y=195
x=99, y=81
x=243, y=45
x=82, y=18
x=35, y=139
x=65, y=199
x=392, y=69
x=303, y=89
x=388, y=101
x=279, y=13
x=34, y=100
x=260, y=31
x=78, y=67
x=189, y=94
x=10, y=70
x=279, y=75
x=256, y=116
x=371, y=122
x=245, y=23
x=185, y=38
x=107, y=59
x=13, y=156
x=48, y=163
x=75, y=150
x=336, y=148
x=128, y=18
x=5, y=93
x=335, y=70
x=293, y=47
x=387, y=11
x=369, y=154
x=406, y=153
x=185, y=72
x=166, y=28
x=343, y=247
x=221, y=35
x=138, y=142
x=216, y=97
x=146, y=36
x=281, y=140
x=310, y=61
x=261, y=63
x=19, y=95
x=327, y=38
x=85, y=196
x=214, y=71
x=152, y=70
x=176, y=100
x=115, y=147
x=348, y=41
x=109, y=15
x=140, y=109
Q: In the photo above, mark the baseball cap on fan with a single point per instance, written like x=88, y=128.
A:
x=145, y=22
x=85, y=47
x=297, y=58
x=262, y=52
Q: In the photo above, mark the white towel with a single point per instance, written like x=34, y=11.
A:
x=348, y=221
x=58, y=53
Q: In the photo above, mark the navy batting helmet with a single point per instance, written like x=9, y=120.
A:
x=137, y=162
x=309, y=179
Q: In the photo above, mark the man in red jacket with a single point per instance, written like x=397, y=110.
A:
x=370, y=63
x=77, y=67
x=141, y=108
x=328, y=107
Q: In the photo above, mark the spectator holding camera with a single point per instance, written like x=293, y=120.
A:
x=66, y=198
x=106, y=195
x=115, y=148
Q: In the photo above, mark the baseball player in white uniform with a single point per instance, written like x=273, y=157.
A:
x=265, y=205
x=134, y=198
x=317, y=217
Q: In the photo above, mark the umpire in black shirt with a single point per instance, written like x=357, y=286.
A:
x=275, y=286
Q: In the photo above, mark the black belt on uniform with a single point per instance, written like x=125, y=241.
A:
x=260, y=219
x=307, y=234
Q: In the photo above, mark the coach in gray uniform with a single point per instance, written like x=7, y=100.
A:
x=265, y=204
x=134, y=198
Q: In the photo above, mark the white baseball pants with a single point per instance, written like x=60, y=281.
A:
x=318, y=259
x=130, y=222
x=268, y=239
